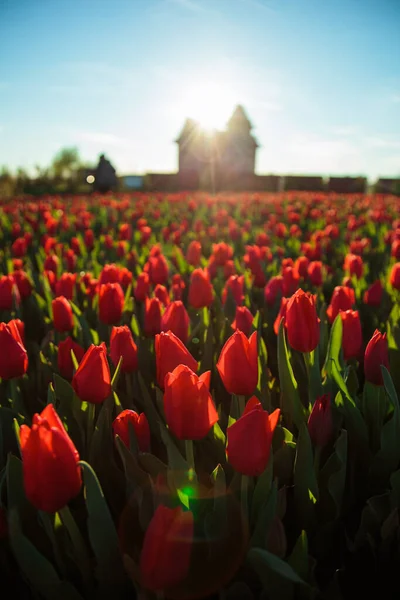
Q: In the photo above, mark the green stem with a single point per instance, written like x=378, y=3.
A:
x=317, y=460
x=48, y=523
x=190, y=454
x=79, y=545
x=242, y=404
x=90, y=423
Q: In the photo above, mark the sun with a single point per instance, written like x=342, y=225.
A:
x=209, y=103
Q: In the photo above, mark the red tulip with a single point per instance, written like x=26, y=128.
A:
x=167, y=547
x=301, y=266
x=92, y=380
x=152, y=317
x=176, y=319
x=352, y=334
x=13, y=355
x=63, y=318
x=111, y=303
x=109, y=274
x=189, y=408
x=243, y=320
x=23, y=283
x=376, y=354
x=8, y=292
x=290, y=281
x=235, y=285
x=343, y=298
x=122, y=344
x=51, y=472
x=273, y=289
x=373, y=295
x=64, y=358
x=315, y=273
x=158, y=269
x=161, y=292
x=320, y=425
x=142, y=288
x=65, y=286
x=238, y=364
x=19, y=326
x=171, y=352
x=201, y=290
x=302, y=322
x=354, y=265
x=139, y=425
x=395, y=276
x=250, y=439
x=193, y=255
x=281, y=314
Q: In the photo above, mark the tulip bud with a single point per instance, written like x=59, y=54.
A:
x=65, y=286
x=63, y=319
x=23, y=283
x=273, y=289
x=52, y=476
x=152, y=317
x=373, y=295
x=122, y=344
x=193, y=255
x=235, y=284
x=189, y=409
x=171, y=352
x=200, y=290
x=13, y=355
x=315, y=272
x=238, y=364
x=8, y=292
x=250, y=439
x=352, y=334
x=343, y=298
x=281, y=314
x=167, y=547
x=139, y=425
x=376, y=354
x=176, y=319
x=64, y=358
x=111, y=303
x=142, y=287
x=243, y=320
x=395, y=276
x=158, y=269
x=92, y=380
x=354, y=264
x=320, y=424
x=302, y=322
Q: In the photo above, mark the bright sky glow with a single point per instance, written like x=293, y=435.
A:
x=209, y=103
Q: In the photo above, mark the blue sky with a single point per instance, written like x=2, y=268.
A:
x=319, y=79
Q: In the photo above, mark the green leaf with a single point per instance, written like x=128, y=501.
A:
x=265, y=518
x=337, y=481
x=263, y=562
x=35, y=567
x=292, y=408
x=298, y=559
x=102, y=534
x=305, y=483
x=334, y=346
x=262, y=490
x=388, y=457
x=51, y=395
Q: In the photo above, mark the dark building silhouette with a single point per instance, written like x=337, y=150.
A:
x=105, y=178
x=217, y=159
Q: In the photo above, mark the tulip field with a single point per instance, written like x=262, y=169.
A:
x=199, y=396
